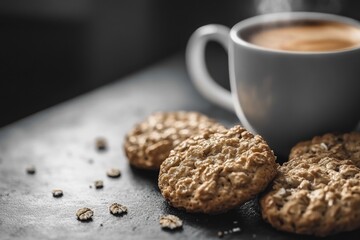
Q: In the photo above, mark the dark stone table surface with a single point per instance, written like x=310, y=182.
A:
x=59, y=142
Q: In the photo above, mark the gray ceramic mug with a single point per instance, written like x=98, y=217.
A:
x=284, y=96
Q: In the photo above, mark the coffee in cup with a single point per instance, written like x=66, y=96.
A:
x=304, y=36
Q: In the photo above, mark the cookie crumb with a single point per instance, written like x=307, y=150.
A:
x=117, y=209
x=84, y=214
x=31, y=169
x=101, y=144
x=220, y=234
x=236, y=229
x=99, y=184
x=101, y=225
x=113, y=173
x=170, y=222
x=57, y=193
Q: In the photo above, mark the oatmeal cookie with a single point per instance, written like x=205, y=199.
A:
x=315, y=195
x=339, y=146
x=150, y=142
x=217, y=171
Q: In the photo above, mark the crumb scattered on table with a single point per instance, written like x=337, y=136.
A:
x=170, y=222
x=99, y=184
x=113, y=173
x=57, y=193
x=117, y=209
x=84, y=214
x=31, y=169
x=101, y=144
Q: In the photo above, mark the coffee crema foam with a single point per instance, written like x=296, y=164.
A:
x=307, y=36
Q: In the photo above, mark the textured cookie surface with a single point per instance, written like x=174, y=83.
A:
x=150, y=142
x=340, y=146
x=314, y=195
x=217, y=171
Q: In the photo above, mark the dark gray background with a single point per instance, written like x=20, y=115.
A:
x=54, y=50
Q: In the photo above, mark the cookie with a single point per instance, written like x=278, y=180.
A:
x=339, y=146
x=150, y=142
x=217, y=171
x=314, y=195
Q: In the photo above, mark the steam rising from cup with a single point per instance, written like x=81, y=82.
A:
x=272, y=6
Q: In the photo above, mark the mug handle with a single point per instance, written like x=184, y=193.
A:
x=195, y=60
